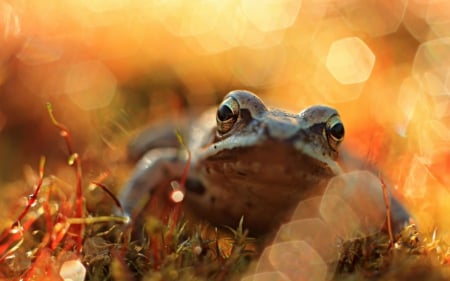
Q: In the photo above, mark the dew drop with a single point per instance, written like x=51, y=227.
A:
x=177, y=196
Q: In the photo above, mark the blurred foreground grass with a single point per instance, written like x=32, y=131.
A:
x=171, y=248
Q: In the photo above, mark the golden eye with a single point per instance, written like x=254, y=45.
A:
x=335, y=131
x=227, y=115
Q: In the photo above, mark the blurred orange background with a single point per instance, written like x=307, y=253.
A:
x=110, y=67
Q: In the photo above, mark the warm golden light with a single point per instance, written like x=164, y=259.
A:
x=376, y=18
x=350, y=61
x=318, y=234
x=267, y=276
x=295, y=259
x=90, y=84
x=268, y=15
x=362, y=209
x=111, y=67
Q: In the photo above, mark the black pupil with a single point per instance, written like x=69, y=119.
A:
x=224, y=113
x=337, y=131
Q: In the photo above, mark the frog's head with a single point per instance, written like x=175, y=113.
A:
x=262, y=160
x=254, y=140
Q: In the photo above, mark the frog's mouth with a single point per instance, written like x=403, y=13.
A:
x=274, y=163
x=264, y=175
x=259, y=179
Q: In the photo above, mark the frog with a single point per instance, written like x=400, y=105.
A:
x=247, y=161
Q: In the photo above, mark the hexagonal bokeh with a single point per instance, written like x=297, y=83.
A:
x=213, y=27
x=433, y=55
x=256, y=67
x=268, y=15
x=37, y=51
x=431, y=66
x=295, y=259
x=90, y=84
x=340, y=216
x=307, y=209
x=376, y=18
x=354, y=203
x=320, y=236
x=437, y=17
x=414, y=21
x=350, y=60
x=433, y=139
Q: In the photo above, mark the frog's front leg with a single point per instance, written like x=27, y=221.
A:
x=156, y=167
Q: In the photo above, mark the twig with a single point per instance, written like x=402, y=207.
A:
x=74, y=160
x=387, y=202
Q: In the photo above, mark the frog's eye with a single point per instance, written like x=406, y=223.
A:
x=335, y=131
x=227, y=115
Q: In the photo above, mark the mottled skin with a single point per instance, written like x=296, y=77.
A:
x=250, y=161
